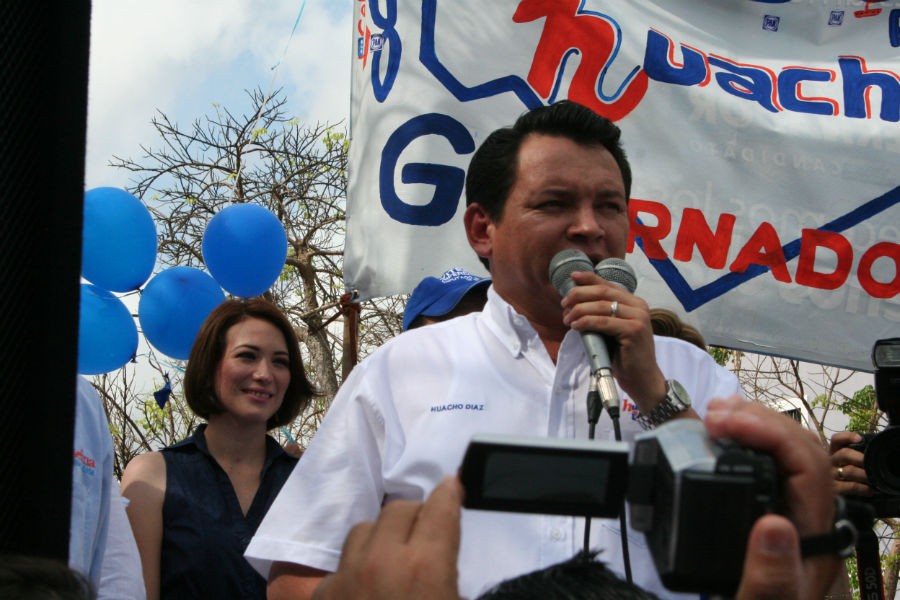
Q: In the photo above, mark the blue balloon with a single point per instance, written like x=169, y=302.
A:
x=244, y=247
x=107, y=335
x=174, y=305
x=118, y=240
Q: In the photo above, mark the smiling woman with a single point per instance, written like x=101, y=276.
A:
x=195, y=505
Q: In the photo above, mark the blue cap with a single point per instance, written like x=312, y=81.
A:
x=434, y=297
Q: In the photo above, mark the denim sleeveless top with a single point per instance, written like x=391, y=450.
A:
x=204, y=531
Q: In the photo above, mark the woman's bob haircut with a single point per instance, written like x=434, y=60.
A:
x=209, y=348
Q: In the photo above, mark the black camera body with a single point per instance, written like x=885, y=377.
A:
x=694, y=498
x=882, y=462
x=882, y=449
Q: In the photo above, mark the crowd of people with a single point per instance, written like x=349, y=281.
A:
x=373, y=509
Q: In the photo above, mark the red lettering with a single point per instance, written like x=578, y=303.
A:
x=650, y=234
x=810, y=241
x=694, y=231
x=595, y=37
x=764, y=249
x=878, y=289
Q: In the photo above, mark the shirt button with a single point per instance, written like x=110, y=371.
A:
x=556, y=535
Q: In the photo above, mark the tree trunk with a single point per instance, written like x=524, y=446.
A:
x=351, y=335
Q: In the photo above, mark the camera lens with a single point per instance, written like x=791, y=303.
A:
x=883, y=461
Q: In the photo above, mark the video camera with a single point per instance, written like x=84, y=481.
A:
x=882, y=449
x=694, y=498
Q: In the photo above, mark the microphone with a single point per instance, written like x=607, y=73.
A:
x=618, y=272
x=562, y=266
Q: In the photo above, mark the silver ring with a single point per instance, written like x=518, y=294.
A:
x=840, y=473
x=614, y=308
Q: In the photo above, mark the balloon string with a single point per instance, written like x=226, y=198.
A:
x=269, y=92
x=288, y=435
x=174, y=366
x=290, y=37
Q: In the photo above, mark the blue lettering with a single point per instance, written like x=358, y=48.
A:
x=894, y=27
x=779, y=91
x=448, y=181
x=446, y=407
x=659, y=62
x=857, y=81
x=789, y=82
x=391, y=39
x=746, y=81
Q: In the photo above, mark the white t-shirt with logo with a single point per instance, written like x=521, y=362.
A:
x=403, y=419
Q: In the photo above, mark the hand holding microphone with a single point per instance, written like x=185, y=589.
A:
x=615, y=271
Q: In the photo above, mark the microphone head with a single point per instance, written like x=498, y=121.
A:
x=563, y=264
x=616, y=270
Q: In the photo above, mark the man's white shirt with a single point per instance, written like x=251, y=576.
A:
x=404, y=417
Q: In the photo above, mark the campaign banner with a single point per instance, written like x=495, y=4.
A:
x=764, y=138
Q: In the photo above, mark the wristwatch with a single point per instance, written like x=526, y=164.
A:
x=676, y=401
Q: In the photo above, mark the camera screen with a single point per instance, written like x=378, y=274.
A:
x=534, y=476
x=540, y=475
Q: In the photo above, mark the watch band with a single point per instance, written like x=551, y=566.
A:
x=676, y=401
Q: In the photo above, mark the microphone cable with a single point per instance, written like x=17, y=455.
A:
x=602, y=390
x=595, y=403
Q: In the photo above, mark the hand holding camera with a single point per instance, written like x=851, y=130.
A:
x=868, y=466
x=806, y=481
x=519, y=476
x=848, y=465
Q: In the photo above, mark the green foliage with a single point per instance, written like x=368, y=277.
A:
x=288, y=273
x=334, y=138
x=850, y=563
x=861, y=409
x=821, y=401
x=720, y=355
x=887, y=562
x=154, y=417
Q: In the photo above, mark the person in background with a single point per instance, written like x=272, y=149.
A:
x=101, y=544
x=582, y=577
x=410, y=551
x=196, y=504
x=850, y=477
x=456, y=292
x=667, y=323
x=850, y=480
x=38, y=578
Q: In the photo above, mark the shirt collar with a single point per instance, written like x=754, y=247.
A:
x=198, y=440
x=513, y=330
x=517, y=334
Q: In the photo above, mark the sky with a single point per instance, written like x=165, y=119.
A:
x=182, y=56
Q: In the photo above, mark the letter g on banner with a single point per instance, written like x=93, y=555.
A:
x=448, y=181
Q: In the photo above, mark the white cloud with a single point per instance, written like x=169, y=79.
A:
x=180, y=56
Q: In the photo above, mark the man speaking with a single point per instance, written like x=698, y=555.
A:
x=556, y=180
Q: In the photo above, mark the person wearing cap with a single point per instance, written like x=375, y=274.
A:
x=456, y=292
